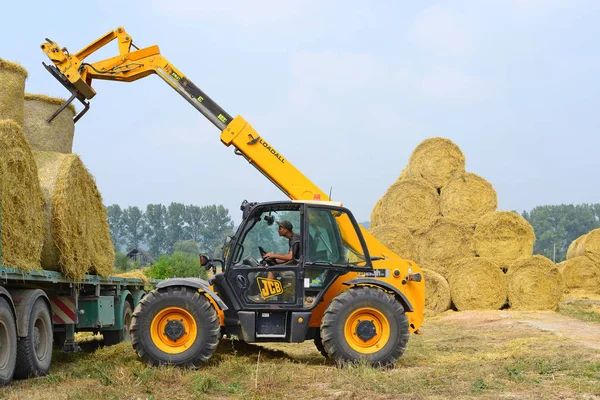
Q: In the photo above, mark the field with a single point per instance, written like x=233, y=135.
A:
x=475, y=354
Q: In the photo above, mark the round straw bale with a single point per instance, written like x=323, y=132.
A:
x=468, y=197
x=403, y=174
x=504, y=235
x=55, y=136
x=477, y=284
x=22, y=204
x=534, y=283
x=410, y=202
x=396, y=238
x=437, y=292
x=572, y=249
x=443, y=243
x=12, y=87
x=581, y=273
x=77, y=237
x=589, y=246
x=436, y=160
x=561, y=266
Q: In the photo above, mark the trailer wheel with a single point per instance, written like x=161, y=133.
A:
x=8, y=343
x=175, y=325
x=365, y=323
x=34, y=352
x=123, y=335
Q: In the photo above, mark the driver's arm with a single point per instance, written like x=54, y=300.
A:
x=280, y=257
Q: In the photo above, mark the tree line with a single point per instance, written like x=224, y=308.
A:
x=161, y=229
x=557, y=226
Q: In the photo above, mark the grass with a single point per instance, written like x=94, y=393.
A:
x=582, y=308
x=459, y=356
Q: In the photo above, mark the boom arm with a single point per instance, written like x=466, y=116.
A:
x=77, y=75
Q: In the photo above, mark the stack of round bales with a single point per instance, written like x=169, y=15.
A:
x=77, y=239
x=581, y=270
x=454, y=229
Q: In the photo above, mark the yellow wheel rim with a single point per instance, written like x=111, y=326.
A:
x=372, y=325
x=173, y=330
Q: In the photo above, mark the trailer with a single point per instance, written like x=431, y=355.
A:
x=42, y=309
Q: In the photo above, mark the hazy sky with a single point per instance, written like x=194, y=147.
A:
x=345, y=90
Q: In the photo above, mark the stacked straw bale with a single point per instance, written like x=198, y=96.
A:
x=55, y=136
x=456, y=230
x=581, y=270
x=437, y=292
x=77, y=237
x=534, y=283
x=410, y=202
x=12, y=87
x=397, y=238
x=21, y=200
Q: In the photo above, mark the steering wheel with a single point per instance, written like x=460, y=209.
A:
x=266, y=261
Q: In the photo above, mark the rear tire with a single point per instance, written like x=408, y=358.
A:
x=8, y=343
x=123, y=335
x=34, y=352
x=365, y=323
x=175, y=325
x=319, y=345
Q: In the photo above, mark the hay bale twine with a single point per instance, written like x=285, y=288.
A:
x=56, y=136
x=504, y=235
x=437, y=292
x=77, y=238
x=22, y=203
x=410, y=202
x=436, y=160
x=396, y=238
x=534, y=283
x=581, y=273
x=477, y=284
x=468, y=197
x=572, y=249
x=12, y=87
x=589, y=246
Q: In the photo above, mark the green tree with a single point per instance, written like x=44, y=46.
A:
x=194, y=222
x=217, y=224
x=154, y=229
x=186, y=246
x=123, y=263
x=133, y=227
x=180, y=265
x=114, y=215
x=175, y=225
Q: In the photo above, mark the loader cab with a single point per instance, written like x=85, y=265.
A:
x=320, y=254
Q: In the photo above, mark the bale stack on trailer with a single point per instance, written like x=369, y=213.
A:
x=581, y=270
x=457, y=233
x=53, y=217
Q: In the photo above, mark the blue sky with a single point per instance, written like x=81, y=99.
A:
x=345, y=90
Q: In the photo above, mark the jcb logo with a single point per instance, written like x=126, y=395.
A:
x=269, y=287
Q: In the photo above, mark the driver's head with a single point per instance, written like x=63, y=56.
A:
x=285, y=228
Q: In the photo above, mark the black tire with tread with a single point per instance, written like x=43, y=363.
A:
x=340, y=308
x=8, y=351
x=319, y=345
x=203, y=312
x=34, y=352
x=115, y=337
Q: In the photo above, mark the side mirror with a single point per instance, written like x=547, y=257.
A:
x=270, y=219
x=203, y=260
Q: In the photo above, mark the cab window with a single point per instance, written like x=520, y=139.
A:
x=332, y=238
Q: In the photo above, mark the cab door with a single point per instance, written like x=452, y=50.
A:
x=333, y=246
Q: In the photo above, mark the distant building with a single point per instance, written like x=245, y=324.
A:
x=142, y=257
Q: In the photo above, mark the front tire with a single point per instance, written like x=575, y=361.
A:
x=175, y=325
x=34, y=352
x=365, y=323
x=8, y=343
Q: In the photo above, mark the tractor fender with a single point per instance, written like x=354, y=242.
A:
x=24, y=299
x=384, y=285
x=195, y=283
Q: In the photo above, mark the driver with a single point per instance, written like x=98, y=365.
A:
x=286, y=229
